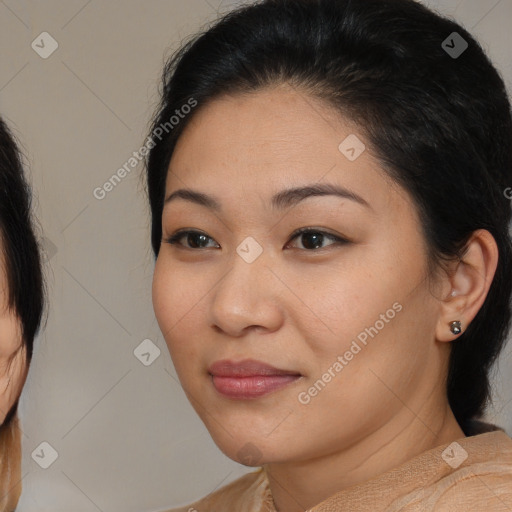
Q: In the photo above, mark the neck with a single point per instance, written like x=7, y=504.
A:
x=299, y=486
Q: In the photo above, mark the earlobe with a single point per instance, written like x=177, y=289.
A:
x=470, y=282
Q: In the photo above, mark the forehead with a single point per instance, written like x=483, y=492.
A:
x=272, y=126
x=264, y=141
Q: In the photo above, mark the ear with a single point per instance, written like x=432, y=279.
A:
x=468, y=284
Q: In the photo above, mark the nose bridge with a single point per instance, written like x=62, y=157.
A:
x=247, y=267
x=245, y=295
x=249, y=250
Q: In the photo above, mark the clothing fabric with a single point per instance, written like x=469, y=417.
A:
x=472, y=474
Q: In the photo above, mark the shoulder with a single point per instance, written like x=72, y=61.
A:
x=243, y=495
x=483, y=481
x=486, y=488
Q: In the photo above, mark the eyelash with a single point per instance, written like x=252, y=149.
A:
x=174, y=239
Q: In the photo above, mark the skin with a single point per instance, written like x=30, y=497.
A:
x=299, y=308
x=13, y=357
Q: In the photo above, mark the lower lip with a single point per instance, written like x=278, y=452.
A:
x=244, y=388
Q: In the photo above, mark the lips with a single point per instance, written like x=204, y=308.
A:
x=246, y=368
x=249, y=378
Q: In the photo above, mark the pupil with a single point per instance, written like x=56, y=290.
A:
x=315, y=236
x=194, y=237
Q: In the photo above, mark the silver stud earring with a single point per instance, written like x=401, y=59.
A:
x=455, y=327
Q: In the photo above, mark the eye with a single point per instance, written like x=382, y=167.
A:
x=196, y=239
x=312, y=239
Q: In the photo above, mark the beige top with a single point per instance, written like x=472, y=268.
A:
x=472, y=474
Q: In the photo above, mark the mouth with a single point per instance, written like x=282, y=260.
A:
x=249, y=379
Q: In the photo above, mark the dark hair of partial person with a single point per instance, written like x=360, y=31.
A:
x=22, y=259
x=24, y=295
x=440, y=126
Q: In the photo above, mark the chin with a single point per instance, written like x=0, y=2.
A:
x=251, y=450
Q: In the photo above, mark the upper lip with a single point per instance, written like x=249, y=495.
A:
x=246, y=368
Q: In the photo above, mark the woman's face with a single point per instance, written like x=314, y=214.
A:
x=13, y=362
x=347, y=309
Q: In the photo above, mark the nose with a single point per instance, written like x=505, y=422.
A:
x=246, y=298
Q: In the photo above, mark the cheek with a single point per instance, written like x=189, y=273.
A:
x=172, y=292
x=383, y=345
x=343, y=306
x=10, y=334
x=13, y=362
x=162, y=295
x=369, y=312
x=177, y=304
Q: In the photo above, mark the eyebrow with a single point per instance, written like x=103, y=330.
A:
x=281, y=200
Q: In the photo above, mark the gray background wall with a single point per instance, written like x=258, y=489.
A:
x=126, y=437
